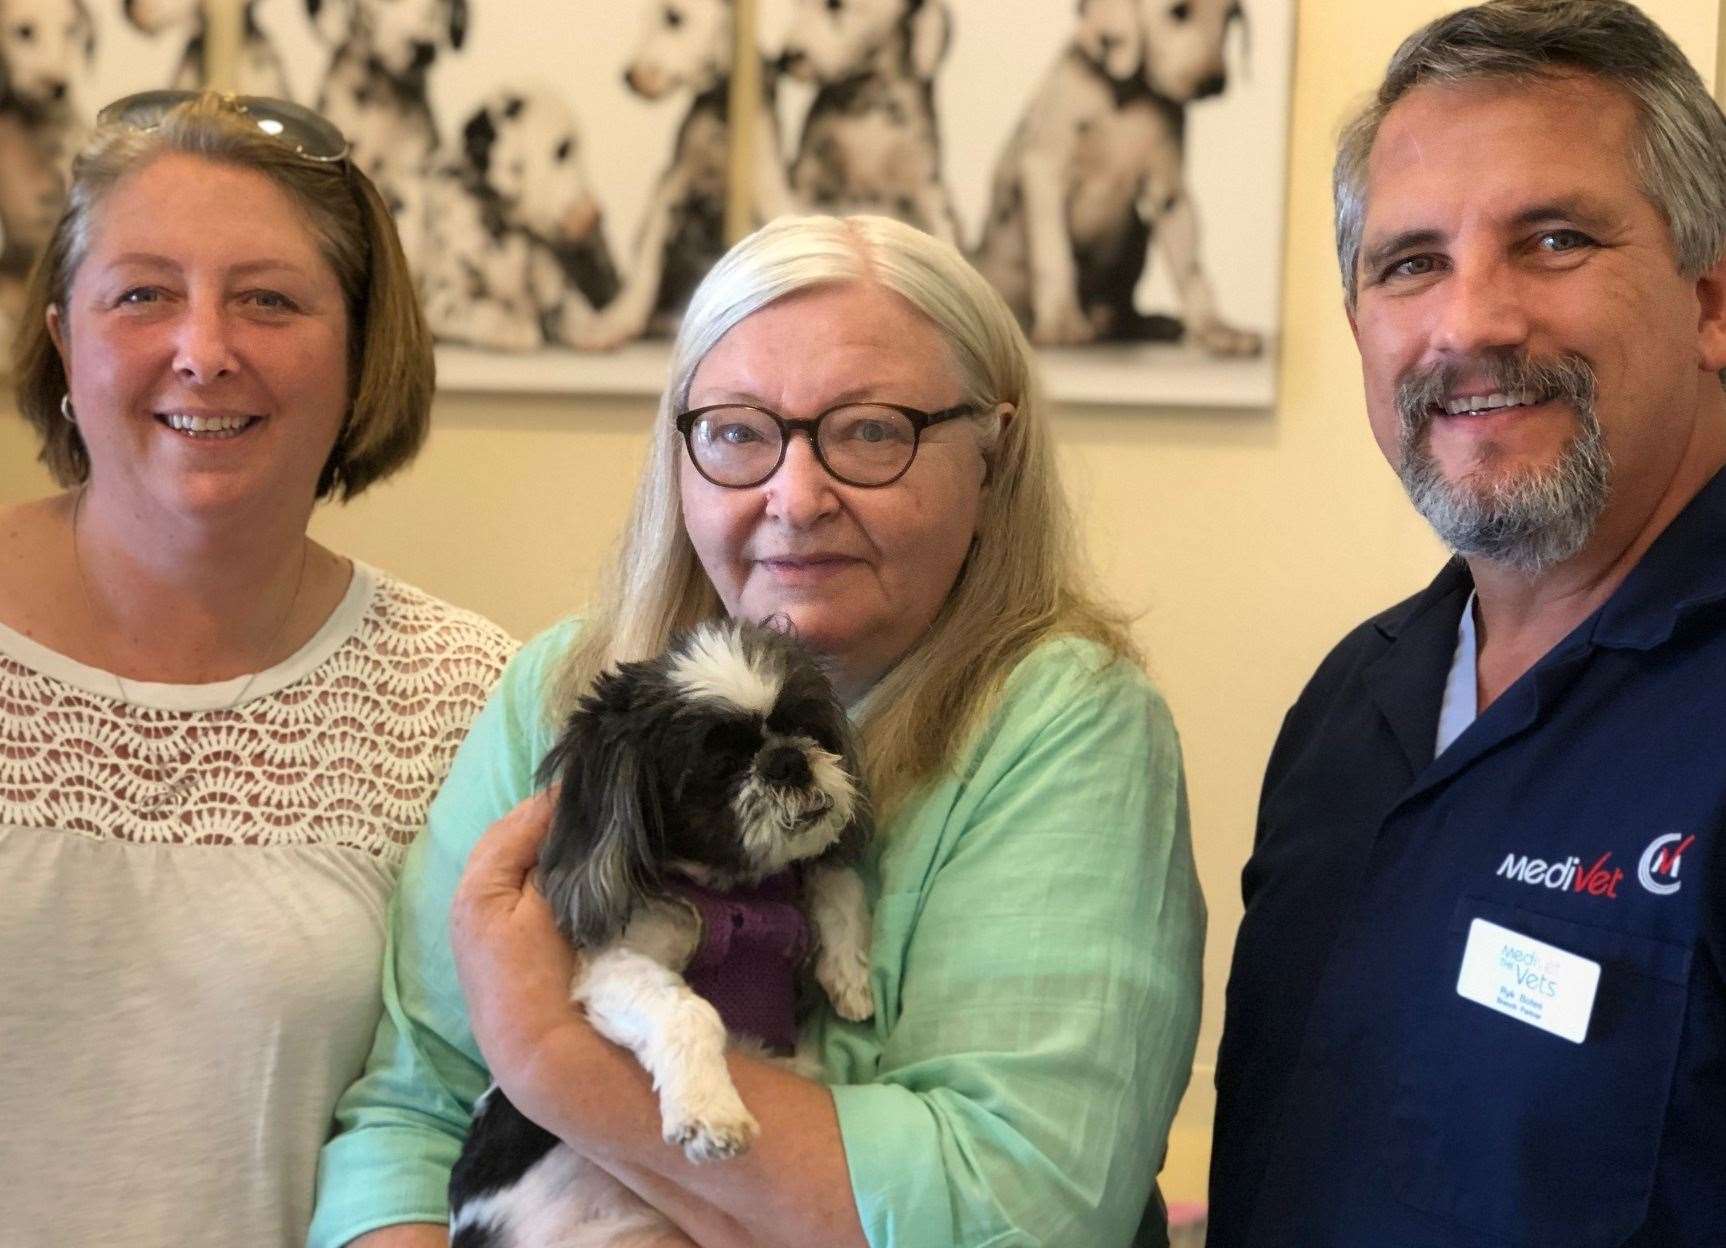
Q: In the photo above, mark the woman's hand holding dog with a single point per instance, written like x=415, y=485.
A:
x=514, y=965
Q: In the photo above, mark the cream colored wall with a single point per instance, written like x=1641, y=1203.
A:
x=1250, y=540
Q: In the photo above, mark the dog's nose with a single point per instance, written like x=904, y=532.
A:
x=56, y=91
x=424, y=53
x=1211, y=86
x=785, y=766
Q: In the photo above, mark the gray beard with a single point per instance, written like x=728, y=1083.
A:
x=1529, y=519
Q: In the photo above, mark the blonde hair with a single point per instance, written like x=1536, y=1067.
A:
x=1022, y=582
x=390, y=366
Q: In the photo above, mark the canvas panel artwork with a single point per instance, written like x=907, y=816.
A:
x=560, y=171
x=1114, y=167
x=61, y=60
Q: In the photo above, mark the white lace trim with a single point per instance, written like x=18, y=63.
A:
x=343, y=743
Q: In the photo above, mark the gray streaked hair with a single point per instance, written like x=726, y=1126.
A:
x=1680, y=150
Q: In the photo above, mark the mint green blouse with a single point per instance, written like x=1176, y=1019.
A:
x=1037, y=947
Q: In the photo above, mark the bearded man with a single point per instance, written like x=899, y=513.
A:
x=1477, y=998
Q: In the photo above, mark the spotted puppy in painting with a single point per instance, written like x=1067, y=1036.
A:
x=1094, y=174
x=702, y=858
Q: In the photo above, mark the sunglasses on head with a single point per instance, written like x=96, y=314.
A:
x=308, y=134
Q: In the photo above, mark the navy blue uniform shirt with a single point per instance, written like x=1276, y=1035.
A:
x=1361, y=1102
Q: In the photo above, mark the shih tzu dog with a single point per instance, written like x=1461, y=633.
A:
x=701, y=857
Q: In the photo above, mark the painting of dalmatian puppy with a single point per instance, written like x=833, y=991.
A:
x=870, y=141
x=1184, y=63
x=1094, y=172
x=186, y=17
x=44, y=47
x=518, y=258
x=376, y=93
x=685, y=49
x=260, y=70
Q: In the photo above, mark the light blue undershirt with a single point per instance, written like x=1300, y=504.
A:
x=1461, y=699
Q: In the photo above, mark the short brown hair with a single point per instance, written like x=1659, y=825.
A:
x=1680, y=147
x=391, y=373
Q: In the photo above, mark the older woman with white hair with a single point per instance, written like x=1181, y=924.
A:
x=1037, y=923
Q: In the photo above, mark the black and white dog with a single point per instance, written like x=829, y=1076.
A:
x=1095, y=173
x=260, y=71
x=46, y=48
x=377, y=93
x=871, y=139
x=685, y=52
x=517, y=258
x=710, y=814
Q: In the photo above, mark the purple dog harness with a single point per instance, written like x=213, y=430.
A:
x=753, y=940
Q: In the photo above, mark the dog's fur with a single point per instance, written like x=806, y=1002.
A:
x=724, y=761
x=1096, y=169
x=375, y=93
x=43, y=46
x=871, y=140
x=518, y=257
x=261, y=70
x=686, y=47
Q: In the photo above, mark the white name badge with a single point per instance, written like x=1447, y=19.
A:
x=1530, y=980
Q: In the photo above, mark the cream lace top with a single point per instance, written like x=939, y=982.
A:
x=192, y=916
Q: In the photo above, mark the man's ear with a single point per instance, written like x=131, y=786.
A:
x=1353, y=325
x=1711, y=323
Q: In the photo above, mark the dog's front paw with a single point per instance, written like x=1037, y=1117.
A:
x=1223, y=340
x=604, y=333
x=844, y=975
x=1062, y=325
x=710, y=1126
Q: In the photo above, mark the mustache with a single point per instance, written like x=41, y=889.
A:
x=1421, y=392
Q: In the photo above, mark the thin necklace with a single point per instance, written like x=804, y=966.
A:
x=269, y=646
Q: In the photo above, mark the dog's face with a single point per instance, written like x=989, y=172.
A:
x=832, y=40
x=1184, y=46
x=525, y=147
x=684, y=44
x=1110, y=36
x=41, y=43
x=154, y=16
x=725, y=760
x=405, y=36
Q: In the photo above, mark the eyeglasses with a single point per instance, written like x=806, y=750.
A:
x=737, y=445
x=308, y=134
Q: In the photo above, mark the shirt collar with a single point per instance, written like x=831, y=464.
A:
x=1684, y=570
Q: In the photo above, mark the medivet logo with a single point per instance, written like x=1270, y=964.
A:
x=1658, y=870
x=1567, y=874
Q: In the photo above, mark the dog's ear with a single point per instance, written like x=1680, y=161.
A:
x=84, y=30
x=854, y=838
x=331, y=19
x=457, y=23
x=1237, y=13
x=597, y=864
x=931, y=28
x=477, y=138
